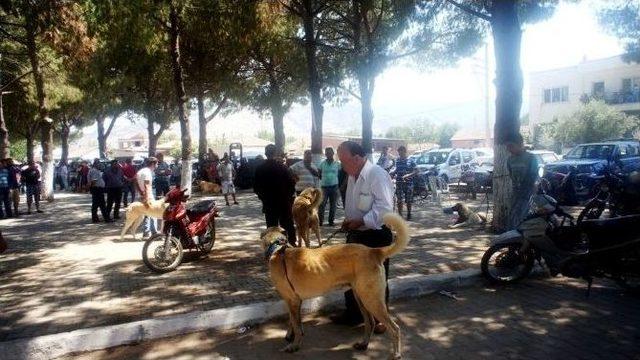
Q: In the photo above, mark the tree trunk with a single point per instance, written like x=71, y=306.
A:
x=30, y=148
x=202, y=130
x=310, y=48
x=4, y=134
x=181, y=96
x=153, y=139
x=366, y=94
x=507, y=36
x=64, y=143
x=278, y=126
x=102, y=138
x=46, y=140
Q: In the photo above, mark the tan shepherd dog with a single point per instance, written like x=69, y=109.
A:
x=209, y=187
x=305, y=215
x=136, y=211
x=300, y=273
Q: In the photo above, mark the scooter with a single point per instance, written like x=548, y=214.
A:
x=184, y=228
x=608, y=248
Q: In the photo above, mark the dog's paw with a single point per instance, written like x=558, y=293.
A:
x=361, y=345
x=395, y=357
x=290, y=336
x=291, y=348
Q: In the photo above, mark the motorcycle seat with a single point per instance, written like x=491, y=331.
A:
x=200, y=207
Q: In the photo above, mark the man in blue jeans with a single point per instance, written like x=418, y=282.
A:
x=329, y=182
x=5, y=199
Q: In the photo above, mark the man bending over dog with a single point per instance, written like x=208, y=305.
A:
x=369, y=197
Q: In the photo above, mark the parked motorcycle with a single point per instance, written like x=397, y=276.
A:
x=184, y=228
x=617, y=192
x=608, y=248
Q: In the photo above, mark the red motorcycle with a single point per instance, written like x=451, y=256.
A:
x=191, y=228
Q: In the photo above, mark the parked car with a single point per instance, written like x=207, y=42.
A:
x=484, y=156
x=588, y=162
x=446, y=163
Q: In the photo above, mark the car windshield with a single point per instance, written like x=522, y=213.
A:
x=601, y=151
x=433, y=158
x=546, y=158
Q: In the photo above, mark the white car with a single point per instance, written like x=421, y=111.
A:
x=484, y=156
x=447, y=163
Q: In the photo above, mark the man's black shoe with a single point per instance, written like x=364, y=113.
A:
x=108, y=220
x=39, y=211
x=344, y=319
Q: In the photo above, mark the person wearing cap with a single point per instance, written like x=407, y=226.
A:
x=113, y=182
x=96, y=188
x=144, y=183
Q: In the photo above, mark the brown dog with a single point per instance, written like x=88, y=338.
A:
x=305, y=215
x=466, y=216
x=209, y=187
x=300, y=273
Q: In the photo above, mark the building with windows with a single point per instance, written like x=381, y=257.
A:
x=557, y=92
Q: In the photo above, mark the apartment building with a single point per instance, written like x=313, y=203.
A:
x=557, y=92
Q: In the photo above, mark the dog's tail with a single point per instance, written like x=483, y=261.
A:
x=317, y=199
x=397, y=224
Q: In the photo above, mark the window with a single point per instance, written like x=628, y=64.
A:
x=598, y=89
x=558, y=94
x=467, y=156
x=455, y=158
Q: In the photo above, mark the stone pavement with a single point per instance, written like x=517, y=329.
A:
x=535, y=319
x=63, y=273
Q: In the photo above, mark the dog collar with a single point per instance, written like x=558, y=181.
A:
x=271, y=249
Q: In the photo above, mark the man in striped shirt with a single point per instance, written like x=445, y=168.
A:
x=404, y=174
x=305, y=173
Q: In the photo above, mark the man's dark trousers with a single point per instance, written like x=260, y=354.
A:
x=5, y=200
x=114, y=196
x=281, y=215
x=371, y=238
x=97, y=201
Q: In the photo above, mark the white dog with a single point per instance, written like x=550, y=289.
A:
x=136, y=211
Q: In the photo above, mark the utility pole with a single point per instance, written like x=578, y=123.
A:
x=487, y=102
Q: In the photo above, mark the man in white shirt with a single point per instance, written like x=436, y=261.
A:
x=144, y=181
x=369, y=197
x=227, y=172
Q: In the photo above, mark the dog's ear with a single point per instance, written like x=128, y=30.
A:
x=282, y=231
x=263, y=233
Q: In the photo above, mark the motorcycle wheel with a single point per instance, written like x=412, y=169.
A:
x=505, y=263
x=593, y=210
x=154, y=257
x=206, y=247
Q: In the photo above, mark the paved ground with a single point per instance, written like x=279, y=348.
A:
x=536, y=319
x=63, y=273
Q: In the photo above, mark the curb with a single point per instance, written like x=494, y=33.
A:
x=102, y=337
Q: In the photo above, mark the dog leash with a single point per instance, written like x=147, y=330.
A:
x=333, y=234
x=284, y=266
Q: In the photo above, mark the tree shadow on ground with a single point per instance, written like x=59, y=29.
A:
x=531, y=320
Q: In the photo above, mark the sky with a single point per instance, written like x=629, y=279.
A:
x=455, y=95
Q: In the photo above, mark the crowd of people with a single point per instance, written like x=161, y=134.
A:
x=117, y=183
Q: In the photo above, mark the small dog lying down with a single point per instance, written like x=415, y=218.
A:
x=302, y=273
x=209, y=187
x=136, y=211
x=466, y=216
